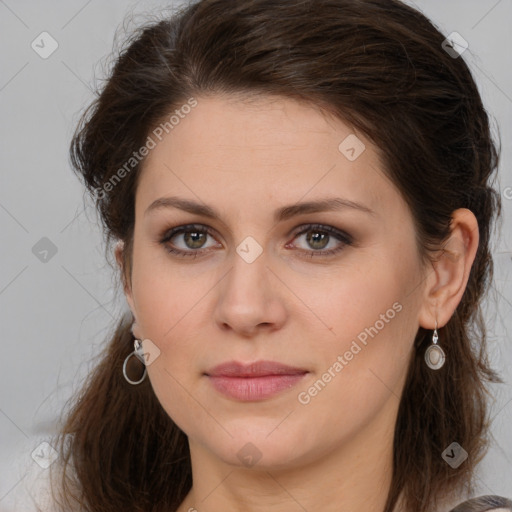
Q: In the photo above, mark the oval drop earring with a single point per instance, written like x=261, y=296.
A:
x=434, y=355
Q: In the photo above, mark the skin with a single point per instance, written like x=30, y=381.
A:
x=247, y=158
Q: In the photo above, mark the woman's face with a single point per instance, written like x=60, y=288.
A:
x=326, y=298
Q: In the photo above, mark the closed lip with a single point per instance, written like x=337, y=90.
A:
x=256, y=369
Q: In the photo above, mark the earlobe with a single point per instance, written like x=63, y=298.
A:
x=448, y=277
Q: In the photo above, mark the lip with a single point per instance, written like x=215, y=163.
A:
x=254, y=381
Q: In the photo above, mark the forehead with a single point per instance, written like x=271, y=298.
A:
x=262, y=147
x=256, y=123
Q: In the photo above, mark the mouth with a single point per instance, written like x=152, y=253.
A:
x=256, y=381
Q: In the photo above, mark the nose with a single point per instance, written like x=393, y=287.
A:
x=250, y=298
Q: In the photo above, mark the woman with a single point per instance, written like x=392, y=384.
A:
x=301, y=198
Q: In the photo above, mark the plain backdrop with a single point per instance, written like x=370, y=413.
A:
x=58, y=295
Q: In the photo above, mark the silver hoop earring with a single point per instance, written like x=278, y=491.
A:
x=138, y=352
x=434, y=355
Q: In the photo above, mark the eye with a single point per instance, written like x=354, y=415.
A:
x=319, y=236
x=193, y=237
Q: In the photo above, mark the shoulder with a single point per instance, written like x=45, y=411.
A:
x=484, y=504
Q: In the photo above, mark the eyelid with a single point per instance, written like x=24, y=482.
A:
x=303, y=228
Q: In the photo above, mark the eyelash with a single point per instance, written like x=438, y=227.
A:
x=340, y=235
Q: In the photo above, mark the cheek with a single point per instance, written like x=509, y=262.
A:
x=363, y=369
x=165, y=296
x=176, y=396
x=370, y=321
x=353, y=301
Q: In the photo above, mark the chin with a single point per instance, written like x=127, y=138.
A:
x=260, y=446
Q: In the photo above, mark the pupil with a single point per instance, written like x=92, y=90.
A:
x=318, y=237
x=194, y=235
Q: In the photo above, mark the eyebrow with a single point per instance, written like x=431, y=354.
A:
x=281, y=214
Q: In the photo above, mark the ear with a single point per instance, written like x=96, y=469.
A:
x=447, y=280
x=118, y=252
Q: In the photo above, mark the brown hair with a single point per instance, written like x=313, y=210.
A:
x=378, y=65
x=484, y=504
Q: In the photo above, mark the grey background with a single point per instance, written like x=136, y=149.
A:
x=55, y=314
